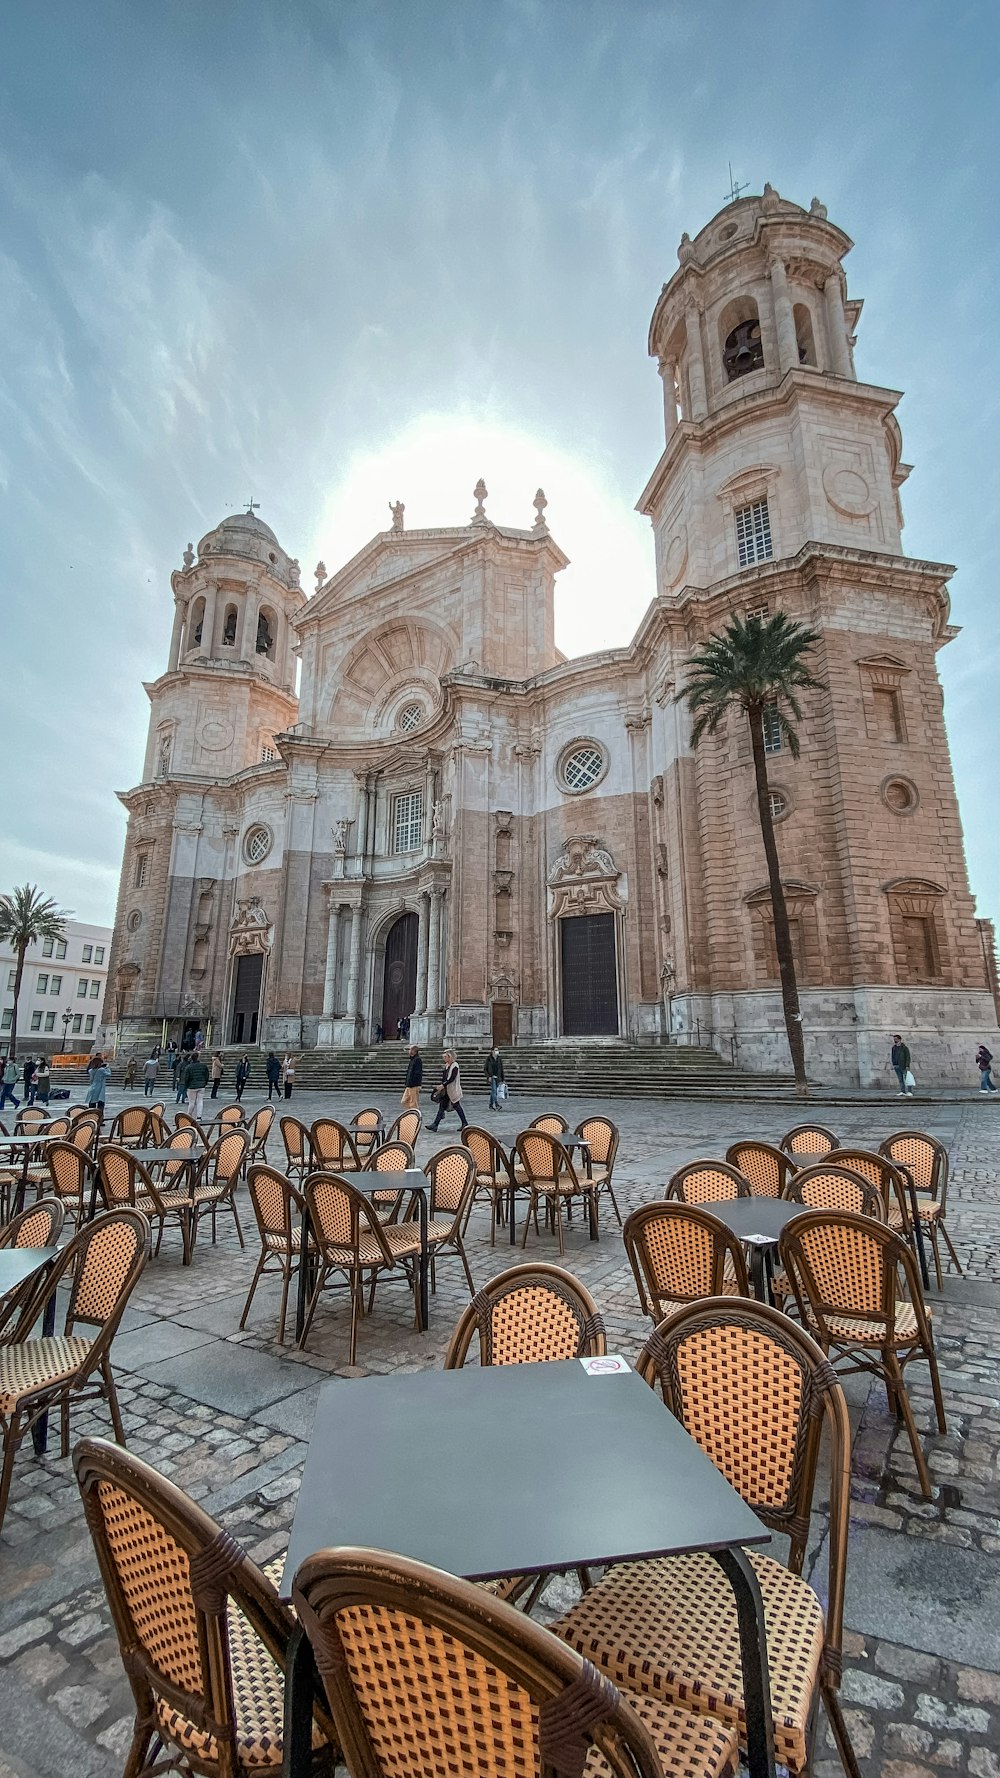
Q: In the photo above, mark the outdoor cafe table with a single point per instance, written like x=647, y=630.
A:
x=410, y=1179
x=759, y=1223
x=518, y=1469
x=23, y=1145
x=17, y=1264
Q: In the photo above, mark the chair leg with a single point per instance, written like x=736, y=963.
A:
x=138, y=1753
x=937, y=1252
x=285, y=1280
x=461, y=1249
x=532, y=1206
x=898, y=1384
x=848, y=1758
x=256, y=1277
x=355, y=1292
x=112, y=1394
x=64, y=1427
x=951, y=1250
x=557, y=1212
x=614, y=1202
x=12, y=1438
x=936, y=1388
x=311, y=1310
x=236, y=1219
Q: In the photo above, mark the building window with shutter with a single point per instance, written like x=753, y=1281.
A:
x=141, y=870
x=753, y=534
x=771, y=725
x=407, y=821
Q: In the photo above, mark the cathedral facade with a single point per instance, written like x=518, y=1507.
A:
x=449, y=822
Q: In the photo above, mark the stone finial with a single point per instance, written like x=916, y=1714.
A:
x=189, y=556
x=293, y=571
x=685, y=251
x=540, y=503
x=818, y=209
x=480, y=493
x=319, y=574
x=770, y=198
x=397, y=509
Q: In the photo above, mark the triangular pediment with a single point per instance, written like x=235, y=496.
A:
x=389, y=558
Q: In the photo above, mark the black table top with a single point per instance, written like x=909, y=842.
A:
x=189, y=1156
x=746, y=1217
x=19, y=1263
x=29, y=1141
x=408, y=1179
x=509, y=1470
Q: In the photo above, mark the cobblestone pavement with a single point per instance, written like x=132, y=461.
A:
x=227, y=1415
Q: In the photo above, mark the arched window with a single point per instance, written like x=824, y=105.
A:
x=742, y=346
x=804, y=334
x=196, y=623
x=266, y=628
x=229, y=627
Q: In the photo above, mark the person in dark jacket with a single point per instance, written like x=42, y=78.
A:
x=449, y=1093
x=495, y=1075
x=414, y=1079
x=242, y=1074
x=28, y=1078
x=273, y=1070
x=195, y=1081
x=900, y=1059
x=984, y=1062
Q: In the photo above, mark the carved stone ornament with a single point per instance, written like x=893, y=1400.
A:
x=503, y=819
x=503, y=882
x=250, y=931
x=662, y=860
x=656, y=790
x=585, y=880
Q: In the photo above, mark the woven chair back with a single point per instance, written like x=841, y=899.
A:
x=809, y=1140
x=259, y=1128
x=477, y=1687
x=340, y=1216
x=129, y=1126
x=531, y=1314
x=392, y=1157
x=603, y=1137
x=184, y=1121
x=181, y=1142
x=925, y=1159
x=880, y=1172
x=226, y=1157
x=766, y=1169
x=107, y=1257
x=169, y=1572
x=836, y=1188
x=158, y=1131
x=754, y=1390
x=41, y=1226
x=116, y=1170
x=707, y=1182
x=83, y=1134
x=452, y=1174
x=70, y=1169
x=543, y=1157
x=487, y=1154
x=678, y=1254
x=332, y=1146
x=276, y=1205
x=551, y=1122
x=29, y=1120
x=295, y=1136
x=58, y=1126
x=369, y=1117
x=406, y=1128
x=846, y=1265
x=233, y=1114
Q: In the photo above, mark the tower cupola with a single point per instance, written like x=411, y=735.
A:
x=234, y=601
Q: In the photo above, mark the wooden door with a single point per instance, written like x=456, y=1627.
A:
x=399, y=990
x=246, y=998
x=502, y=1014
x=589, y=976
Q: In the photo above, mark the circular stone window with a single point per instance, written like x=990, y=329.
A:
x=900, y=795
x=582, y=765
x=134, y=920
x=257, y=843
x=410, y=717
x=778, y=804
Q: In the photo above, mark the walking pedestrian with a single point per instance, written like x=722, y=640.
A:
x=495, y=1075
x=414, y=1079
x=287, y=1075
x=9, y=1083
x=273, y=1070
x=449, y=1093
x=43, y=1080
x=984, y=1062
x=218, y=1070
x=150, y=1068
x=129, y=1080
x=100, y=1074
x=28, y=1079
x=195, y=1082
x=242, y=1074
x=901, y=1063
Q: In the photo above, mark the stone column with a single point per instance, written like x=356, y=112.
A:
x=208, y=621
x=180, y=615
x=784, y=319
x=836, y=326
x=695, y=363
x=422, y=934
x=354, y=966
x=434, y=952
x=330, y=977
x=668, y=373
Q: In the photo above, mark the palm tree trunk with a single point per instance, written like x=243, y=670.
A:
x=18, y=973
x=782, y=935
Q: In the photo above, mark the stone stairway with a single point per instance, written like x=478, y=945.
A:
x=567, y=1070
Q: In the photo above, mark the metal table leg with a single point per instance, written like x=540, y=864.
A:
x=303, y=1289
x=738, y=1569
x=301, y=1680
x=425, y=1265
x=40, y=1430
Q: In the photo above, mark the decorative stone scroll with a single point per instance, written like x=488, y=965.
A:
x=251, y=929
x=585, y=880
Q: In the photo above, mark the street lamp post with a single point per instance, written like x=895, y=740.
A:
x=67, y=1020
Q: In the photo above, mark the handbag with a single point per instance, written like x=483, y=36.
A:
x=908, y=1081
x=502, y=1091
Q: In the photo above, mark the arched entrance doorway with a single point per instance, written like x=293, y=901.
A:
x=399, y=982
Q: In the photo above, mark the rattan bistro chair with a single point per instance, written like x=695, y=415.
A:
x=530, y=1314
x=234, y=1114
x=857, y=1287
x=477, y=1690
x=215, y=1184
x=405, y=1128
x=128, y=1127
x=926, y=1161
x=71, y=1172
x=391, y=1157
x=707, y=1182
x=890, y=1182
x=603, y=1137
x=123, y=1180
x=184, y=1121
x=104, y=1262
x=333, y=1148
x=295, y=1137
x=203, y=1635
x=679, y=1254
x=258, y=1131
x=278, y=1208
x=544, y=1166
x=366, y=1139
x=808, y=1142
x=41, y=1226
x=552, y=1122
x=825, y=1187
x=493, y=1173
x=755, y=1391
x=452, y=1175
x=350, y=1240
x=766, y=1169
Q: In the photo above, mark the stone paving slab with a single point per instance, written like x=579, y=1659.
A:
x=229, y=1419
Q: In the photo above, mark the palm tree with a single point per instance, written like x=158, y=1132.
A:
x=26, y=916
x=760, y=665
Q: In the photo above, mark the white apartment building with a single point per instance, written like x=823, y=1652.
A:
x=62, y=990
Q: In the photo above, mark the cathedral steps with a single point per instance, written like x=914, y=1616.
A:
x=567, y=1070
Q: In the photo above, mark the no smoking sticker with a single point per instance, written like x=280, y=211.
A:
x=608, y=1366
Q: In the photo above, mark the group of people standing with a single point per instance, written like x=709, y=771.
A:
x=36, y=1079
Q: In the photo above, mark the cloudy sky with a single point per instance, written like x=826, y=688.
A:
x=335, y=252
